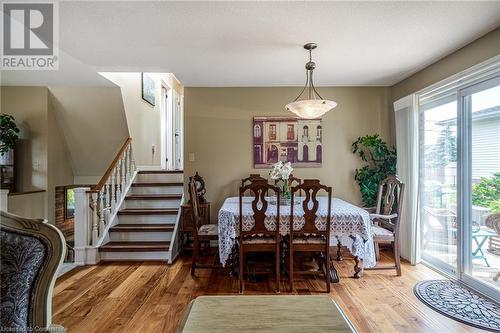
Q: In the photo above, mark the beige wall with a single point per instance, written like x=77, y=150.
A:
x=218, y=130
x=59, y=167
x=29, y=107
x=42, y=156
x=143, y=119
x=93, y=124
x=31, y=205
x=472, y=54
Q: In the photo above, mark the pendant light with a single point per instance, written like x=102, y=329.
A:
x=314, y=106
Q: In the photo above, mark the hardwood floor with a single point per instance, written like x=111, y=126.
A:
x=151, y=297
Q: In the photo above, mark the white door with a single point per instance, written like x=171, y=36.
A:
x=178, y=132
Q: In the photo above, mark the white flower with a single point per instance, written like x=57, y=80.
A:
x=281, y=170
x=286, y=170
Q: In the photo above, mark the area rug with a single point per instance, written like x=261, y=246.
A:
x=459, y=303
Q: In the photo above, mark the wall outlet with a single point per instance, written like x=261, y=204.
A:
x=191, y=157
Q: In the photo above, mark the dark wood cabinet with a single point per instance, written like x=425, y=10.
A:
x=187, y=226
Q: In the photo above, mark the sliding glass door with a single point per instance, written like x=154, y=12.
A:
x=481, y=241
x=459, y=183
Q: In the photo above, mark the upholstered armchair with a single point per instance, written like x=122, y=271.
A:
x=31, y=253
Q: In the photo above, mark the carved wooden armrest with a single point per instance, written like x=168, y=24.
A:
x=383, y=217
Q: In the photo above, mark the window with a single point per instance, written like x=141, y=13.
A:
x=318, y=133
x=272, y=132
x=69, y=204
x=290, y=135
x=305, y=131
x=256, y=131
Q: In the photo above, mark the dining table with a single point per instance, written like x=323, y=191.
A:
x=350, y=226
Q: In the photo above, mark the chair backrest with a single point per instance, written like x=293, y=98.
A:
x=259, y=190
x=390, y=199
x=310, y=205
x=195, y=207
x=292, y=181
x=251, y=178
x=32, y=252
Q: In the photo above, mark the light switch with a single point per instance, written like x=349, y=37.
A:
x=191, y=157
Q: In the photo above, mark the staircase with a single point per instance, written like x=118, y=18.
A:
x=146, y=221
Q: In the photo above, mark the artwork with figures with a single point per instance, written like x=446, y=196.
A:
x=287, y=139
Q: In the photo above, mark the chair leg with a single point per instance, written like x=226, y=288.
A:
x=377, y=250
x=290, y=273
x=194, y=258
x=328, y=261
x=241, y=273
x=278, y=279
x=397, y=259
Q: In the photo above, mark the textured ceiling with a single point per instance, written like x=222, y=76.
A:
x=260, y=43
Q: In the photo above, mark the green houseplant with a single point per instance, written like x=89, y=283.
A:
x=381, y=162
x=9, y=133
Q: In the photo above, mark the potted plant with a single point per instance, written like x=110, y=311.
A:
x=282, y=171
x=9, y=134
x=381, y=162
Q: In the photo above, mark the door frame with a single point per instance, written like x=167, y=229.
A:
x=166, y=120
x=464, y=145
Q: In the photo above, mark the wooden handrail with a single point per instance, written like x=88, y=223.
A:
x=106, y=175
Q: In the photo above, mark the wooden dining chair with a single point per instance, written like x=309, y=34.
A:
x=251, y=178
x=386, y=219
x=310, y=237
x=259, y=238
x=202, y=233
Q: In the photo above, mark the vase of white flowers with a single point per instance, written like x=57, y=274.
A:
x=282, y=171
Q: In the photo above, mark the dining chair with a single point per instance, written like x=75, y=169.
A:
x=251, y=178
x=259, y=237
x=313, y=235
x=386, y=219
x=202, y=233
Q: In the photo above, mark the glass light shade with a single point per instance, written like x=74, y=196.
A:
x=311, y=108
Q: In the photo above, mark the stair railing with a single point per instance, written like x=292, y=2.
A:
x=96, y=207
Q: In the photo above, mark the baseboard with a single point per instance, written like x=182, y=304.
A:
x=66, y=268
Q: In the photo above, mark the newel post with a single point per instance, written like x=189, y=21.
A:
x=85, y=253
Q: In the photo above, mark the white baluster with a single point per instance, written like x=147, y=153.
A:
x=108, y=200
x=113, y=191
x=133, y=160
x=118, y=183
x=95, y=231
x=101, y=211
x=125, y=167
x=129, y=163
x=123, y=180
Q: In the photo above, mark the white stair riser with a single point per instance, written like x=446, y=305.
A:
x=157, y=189
x=131, y=204
x=146, y=219
x=160, y=178
x=140, y=236
x=151, y=255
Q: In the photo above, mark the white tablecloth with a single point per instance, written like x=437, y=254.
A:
x=350, y=224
